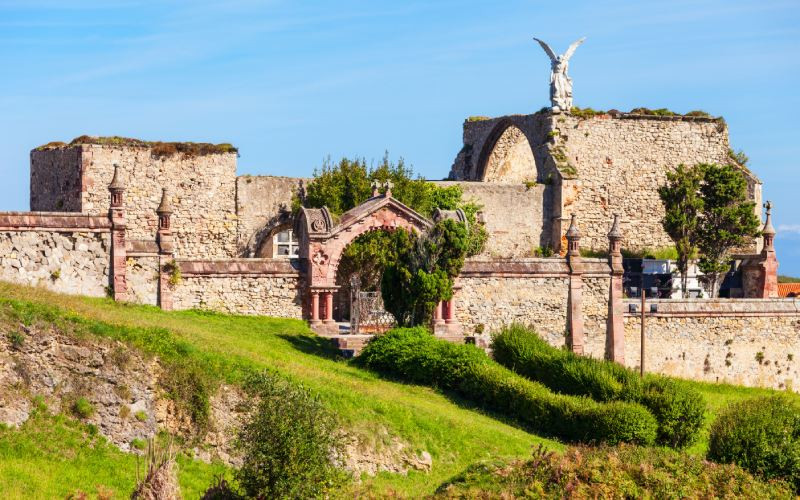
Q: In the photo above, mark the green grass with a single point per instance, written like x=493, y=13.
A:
x=227, y=347
x=52, y=456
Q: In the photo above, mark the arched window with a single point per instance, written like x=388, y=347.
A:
x=284, y=245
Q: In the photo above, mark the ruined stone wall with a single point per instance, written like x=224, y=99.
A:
x=751, y=342
x=515, y=216
x=141, y=274
x=55, y=180
x=264, y=287
x=68, y=262
x=595, y=293
x=202, y=191
x=621, y=162
x=263, y=203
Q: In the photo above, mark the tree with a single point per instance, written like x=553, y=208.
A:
x=424, y=272
x=683, y=206
x=728, y=219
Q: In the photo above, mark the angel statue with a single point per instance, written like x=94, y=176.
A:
x=560, y=82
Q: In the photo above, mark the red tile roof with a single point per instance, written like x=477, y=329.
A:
x=789, y=289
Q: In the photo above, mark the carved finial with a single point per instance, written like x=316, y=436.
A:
x=164, y=207
x=573, y=232
x=615, y=233
x=116, y=181
x=376, y=186
x=768, y=229
x=388, y=185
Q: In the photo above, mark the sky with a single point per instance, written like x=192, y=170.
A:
x=293, y=82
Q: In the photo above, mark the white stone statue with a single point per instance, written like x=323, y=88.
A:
x=560, y=82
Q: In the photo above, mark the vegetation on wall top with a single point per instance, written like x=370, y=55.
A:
x=158, y=149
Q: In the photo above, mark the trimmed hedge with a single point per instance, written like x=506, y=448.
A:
x=679, y=410
x=414, y=355
x=761, y=435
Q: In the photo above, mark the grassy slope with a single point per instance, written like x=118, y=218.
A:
x=455, y=435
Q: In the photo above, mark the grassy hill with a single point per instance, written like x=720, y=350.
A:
x=455, y=434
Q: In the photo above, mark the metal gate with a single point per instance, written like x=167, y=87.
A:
x=367, y=314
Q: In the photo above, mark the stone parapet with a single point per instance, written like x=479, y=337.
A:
x=54, y=221
x=239, y=267
x=685, y=308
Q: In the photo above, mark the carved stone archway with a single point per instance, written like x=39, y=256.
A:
x=322, y=243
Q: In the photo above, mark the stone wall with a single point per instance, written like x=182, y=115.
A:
x=70, y=256
x=263, y=204
x=202, y=191
x=141, y=274
x=751, y=342
x=595, y=293
x=241, y=286
x=516, y=216
x=55, y=180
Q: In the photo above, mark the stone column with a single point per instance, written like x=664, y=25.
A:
x=437, y=314
x=450, y=314
x=119, y=285
x=575, y=300
x=166, y=258
x=328, y=307
x=315, y=307
x=615, y=328
x=769, y=285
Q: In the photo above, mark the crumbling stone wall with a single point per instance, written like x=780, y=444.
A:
x=511, y=159
x=56, y=183
x=280, y=297
x=751, y=342
x=263, y=204
x=516, y=216
x=141, y=274
x=67, y=262
x=202, y=191
x=595, y=293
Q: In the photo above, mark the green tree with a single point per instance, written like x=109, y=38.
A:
x=683, y=207
x=728, y=219
x=424, y=272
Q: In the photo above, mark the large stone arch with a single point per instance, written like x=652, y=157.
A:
x=322, y=242
x=507, y=155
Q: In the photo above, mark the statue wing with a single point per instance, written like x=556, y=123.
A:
x=571, y=49
x=547, y=49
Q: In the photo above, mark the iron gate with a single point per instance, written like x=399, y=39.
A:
x=367, y=314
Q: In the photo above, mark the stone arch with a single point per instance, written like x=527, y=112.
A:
x=507, y=155
x=263, y=246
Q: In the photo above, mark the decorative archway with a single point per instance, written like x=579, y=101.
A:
x=322, y=243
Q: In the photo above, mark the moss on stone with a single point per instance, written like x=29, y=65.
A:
x=478, y=118
x=158, y=149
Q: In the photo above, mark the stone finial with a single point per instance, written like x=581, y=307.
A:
x=388, y=185
x=573, y=237
x=164, y=211
x=116, y=181
x=615, y=233
x=768, y=231
x=376, y=186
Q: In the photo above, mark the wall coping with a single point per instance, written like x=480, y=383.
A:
x=277, y=268
x=54, y=221
x=718, y=307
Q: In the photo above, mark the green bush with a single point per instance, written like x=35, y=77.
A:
x=287, y=443
x=609, y=472
x=678, y=410
x=413, y=355
x=761, y=435
x=82, y=408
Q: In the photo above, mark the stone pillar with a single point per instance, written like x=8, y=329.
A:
x=116, y=213
x=166, y=257
x=450, y=311
x=328, y=306
x=769, y=285
x=615, y=328
x=575, y=300
x=437, y=314
x=315, y=307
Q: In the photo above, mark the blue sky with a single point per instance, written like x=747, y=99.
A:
x=291, y=82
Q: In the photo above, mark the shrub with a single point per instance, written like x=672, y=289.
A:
x=287, y=442
x=761, y=435
x=678, y=410
x=82, y=408
x=609, y=472
x=141, y=416
x=414, y=355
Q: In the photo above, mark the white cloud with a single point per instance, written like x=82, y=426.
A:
x=788, y=228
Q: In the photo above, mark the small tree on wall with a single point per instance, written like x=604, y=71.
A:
x=424, y=272
x=683, y=206
x=728, y=219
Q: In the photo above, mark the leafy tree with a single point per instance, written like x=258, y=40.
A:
x=728, y=219
x=287, y=442
x=424, y=272
x=683, y=205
